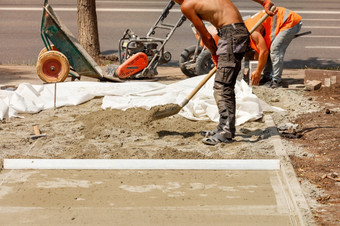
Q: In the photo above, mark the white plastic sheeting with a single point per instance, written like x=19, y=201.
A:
x=29, y=98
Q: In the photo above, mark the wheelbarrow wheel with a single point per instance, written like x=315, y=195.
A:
x=53, y=66
x=186, y=63
x=204, y=63
x=44, y=50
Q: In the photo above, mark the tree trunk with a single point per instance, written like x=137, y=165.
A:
x=88, y=28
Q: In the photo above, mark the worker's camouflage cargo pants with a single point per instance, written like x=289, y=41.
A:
x=232, y=45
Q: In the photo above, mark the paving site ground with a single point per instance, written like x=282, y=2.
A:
x=87, y=131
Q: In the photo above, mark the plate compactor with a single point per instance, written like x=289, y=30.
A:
x=140, y=56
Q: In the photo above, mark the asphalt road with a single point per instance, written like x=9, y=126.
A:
x=20, y=20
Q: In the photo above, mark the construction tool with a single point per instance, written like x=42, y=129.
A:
x=139, y=57
x=174, y=109
x=303, y=33
x=62, y=52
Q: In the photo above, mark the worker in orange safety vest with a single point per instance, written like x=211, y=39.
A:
x=270, y=40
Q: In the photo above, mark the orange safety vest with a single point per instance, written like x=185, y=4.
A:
x=282, y=20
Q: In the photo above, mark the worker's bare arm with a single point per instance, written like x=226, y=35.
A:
x=189, y=12
x=263, y=55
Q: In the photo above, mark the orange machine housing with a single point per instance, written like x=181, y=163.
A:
x=131, y=66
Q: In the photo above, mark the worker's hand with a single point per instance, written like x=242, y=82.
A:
x=255, y=78
x=215, y=59
x=267, y=5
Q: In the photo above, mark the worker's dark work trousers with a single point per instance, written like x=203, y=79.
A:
x=232, y=45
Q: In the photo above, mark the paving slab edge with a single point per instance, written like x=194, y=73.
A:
x=300, y=203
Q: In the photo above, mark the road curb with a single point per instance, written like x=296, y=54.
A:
x=300, y=204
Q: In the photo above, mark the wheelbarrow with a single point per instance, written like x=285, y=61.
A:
x=62, y=52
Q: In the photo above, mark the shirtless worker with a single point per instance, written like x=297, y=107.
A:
x=232, y=44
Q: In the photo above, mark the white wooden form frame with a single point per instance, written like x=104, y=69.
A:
x=144, y=164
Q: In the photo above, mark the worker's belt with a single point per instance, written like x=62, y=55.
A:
x=229, y=26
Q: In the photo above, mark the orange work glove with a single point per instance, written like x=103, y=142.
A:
x=215, y=59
